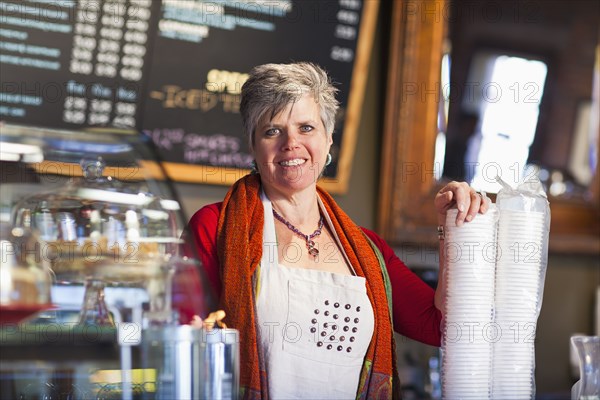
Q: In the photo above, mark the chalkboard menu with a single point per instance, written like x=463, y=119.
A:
x=173, y=69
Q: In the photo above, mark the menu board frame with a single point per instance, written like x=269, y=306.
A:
x=91, y=94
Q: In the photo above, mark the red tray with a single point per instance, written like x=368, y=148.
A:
x=15, y=313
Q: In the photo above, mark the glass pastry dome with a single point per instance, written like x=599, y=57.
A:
x=103, y=210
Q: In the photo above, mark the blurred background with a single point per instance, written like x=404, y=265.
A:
x=431, y=90
x=520, y=75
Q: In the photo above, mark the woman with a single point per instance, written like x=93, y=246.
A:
x=315, y=297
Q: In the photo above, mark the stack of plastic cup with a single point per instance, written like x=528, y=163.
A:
x=519, y=269
x=470, y=259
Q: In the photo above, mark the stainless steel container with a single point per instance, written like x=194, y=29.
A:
x=192, y=363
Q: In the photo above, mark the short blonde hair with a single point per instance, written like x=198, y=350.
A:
x=270, y=88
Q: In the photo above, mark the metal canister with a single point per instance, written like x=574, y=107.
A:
x=192, y=363
x=67, y=227
x=220, y=373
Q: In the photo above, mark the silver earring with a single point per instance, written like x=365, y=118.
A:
x=253, y=167
x=329, y=158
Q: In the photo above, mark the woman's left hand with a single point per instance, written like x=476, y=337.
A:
x=468, y=202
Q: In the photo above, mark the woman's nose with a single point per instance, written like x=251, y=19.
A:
x=291, y=141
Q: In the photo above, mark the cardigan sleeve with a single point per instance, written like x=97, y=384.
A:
x=197, y=292
x=203, y=231
x=414, y=311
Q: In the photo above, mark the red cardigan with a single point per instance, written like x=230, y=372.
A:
x=414, y=312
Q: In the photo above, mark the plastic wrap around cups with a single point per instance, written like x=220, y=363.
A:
x=494, y=274
x=523, y=232
x=469, y=277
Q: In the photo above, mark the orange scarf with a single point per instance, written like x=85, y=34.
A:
x=239, y=246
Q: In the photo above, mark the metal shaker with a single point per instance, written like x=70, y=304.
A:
x=192, y=363
x=220, y=364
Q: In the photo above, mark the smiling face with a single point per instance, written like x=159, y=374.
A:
x=291, y=148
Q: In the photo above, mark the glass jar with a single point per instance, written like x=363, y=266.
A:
x=25, y=280
x=588, y=350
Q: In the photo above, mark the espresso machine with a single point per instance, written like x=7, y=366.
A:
x=97, y=281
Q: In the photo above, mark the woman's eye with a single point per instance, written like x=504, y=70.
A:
x=306, y=128
x=272, y=132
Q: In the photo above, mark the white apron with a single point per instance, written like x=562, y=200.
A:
x=314, y=326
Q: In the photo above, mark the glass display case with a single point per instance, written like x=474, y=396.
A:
x=93, y=256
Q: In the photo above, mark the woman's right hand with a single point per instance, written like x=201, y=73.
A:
x=209, y=322
x=465, y=198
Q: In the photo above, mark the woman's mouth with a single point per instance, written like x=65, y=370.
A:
x=292, y=163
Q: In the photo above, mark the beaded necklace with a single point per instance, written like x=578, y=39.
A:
x=310, y=243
